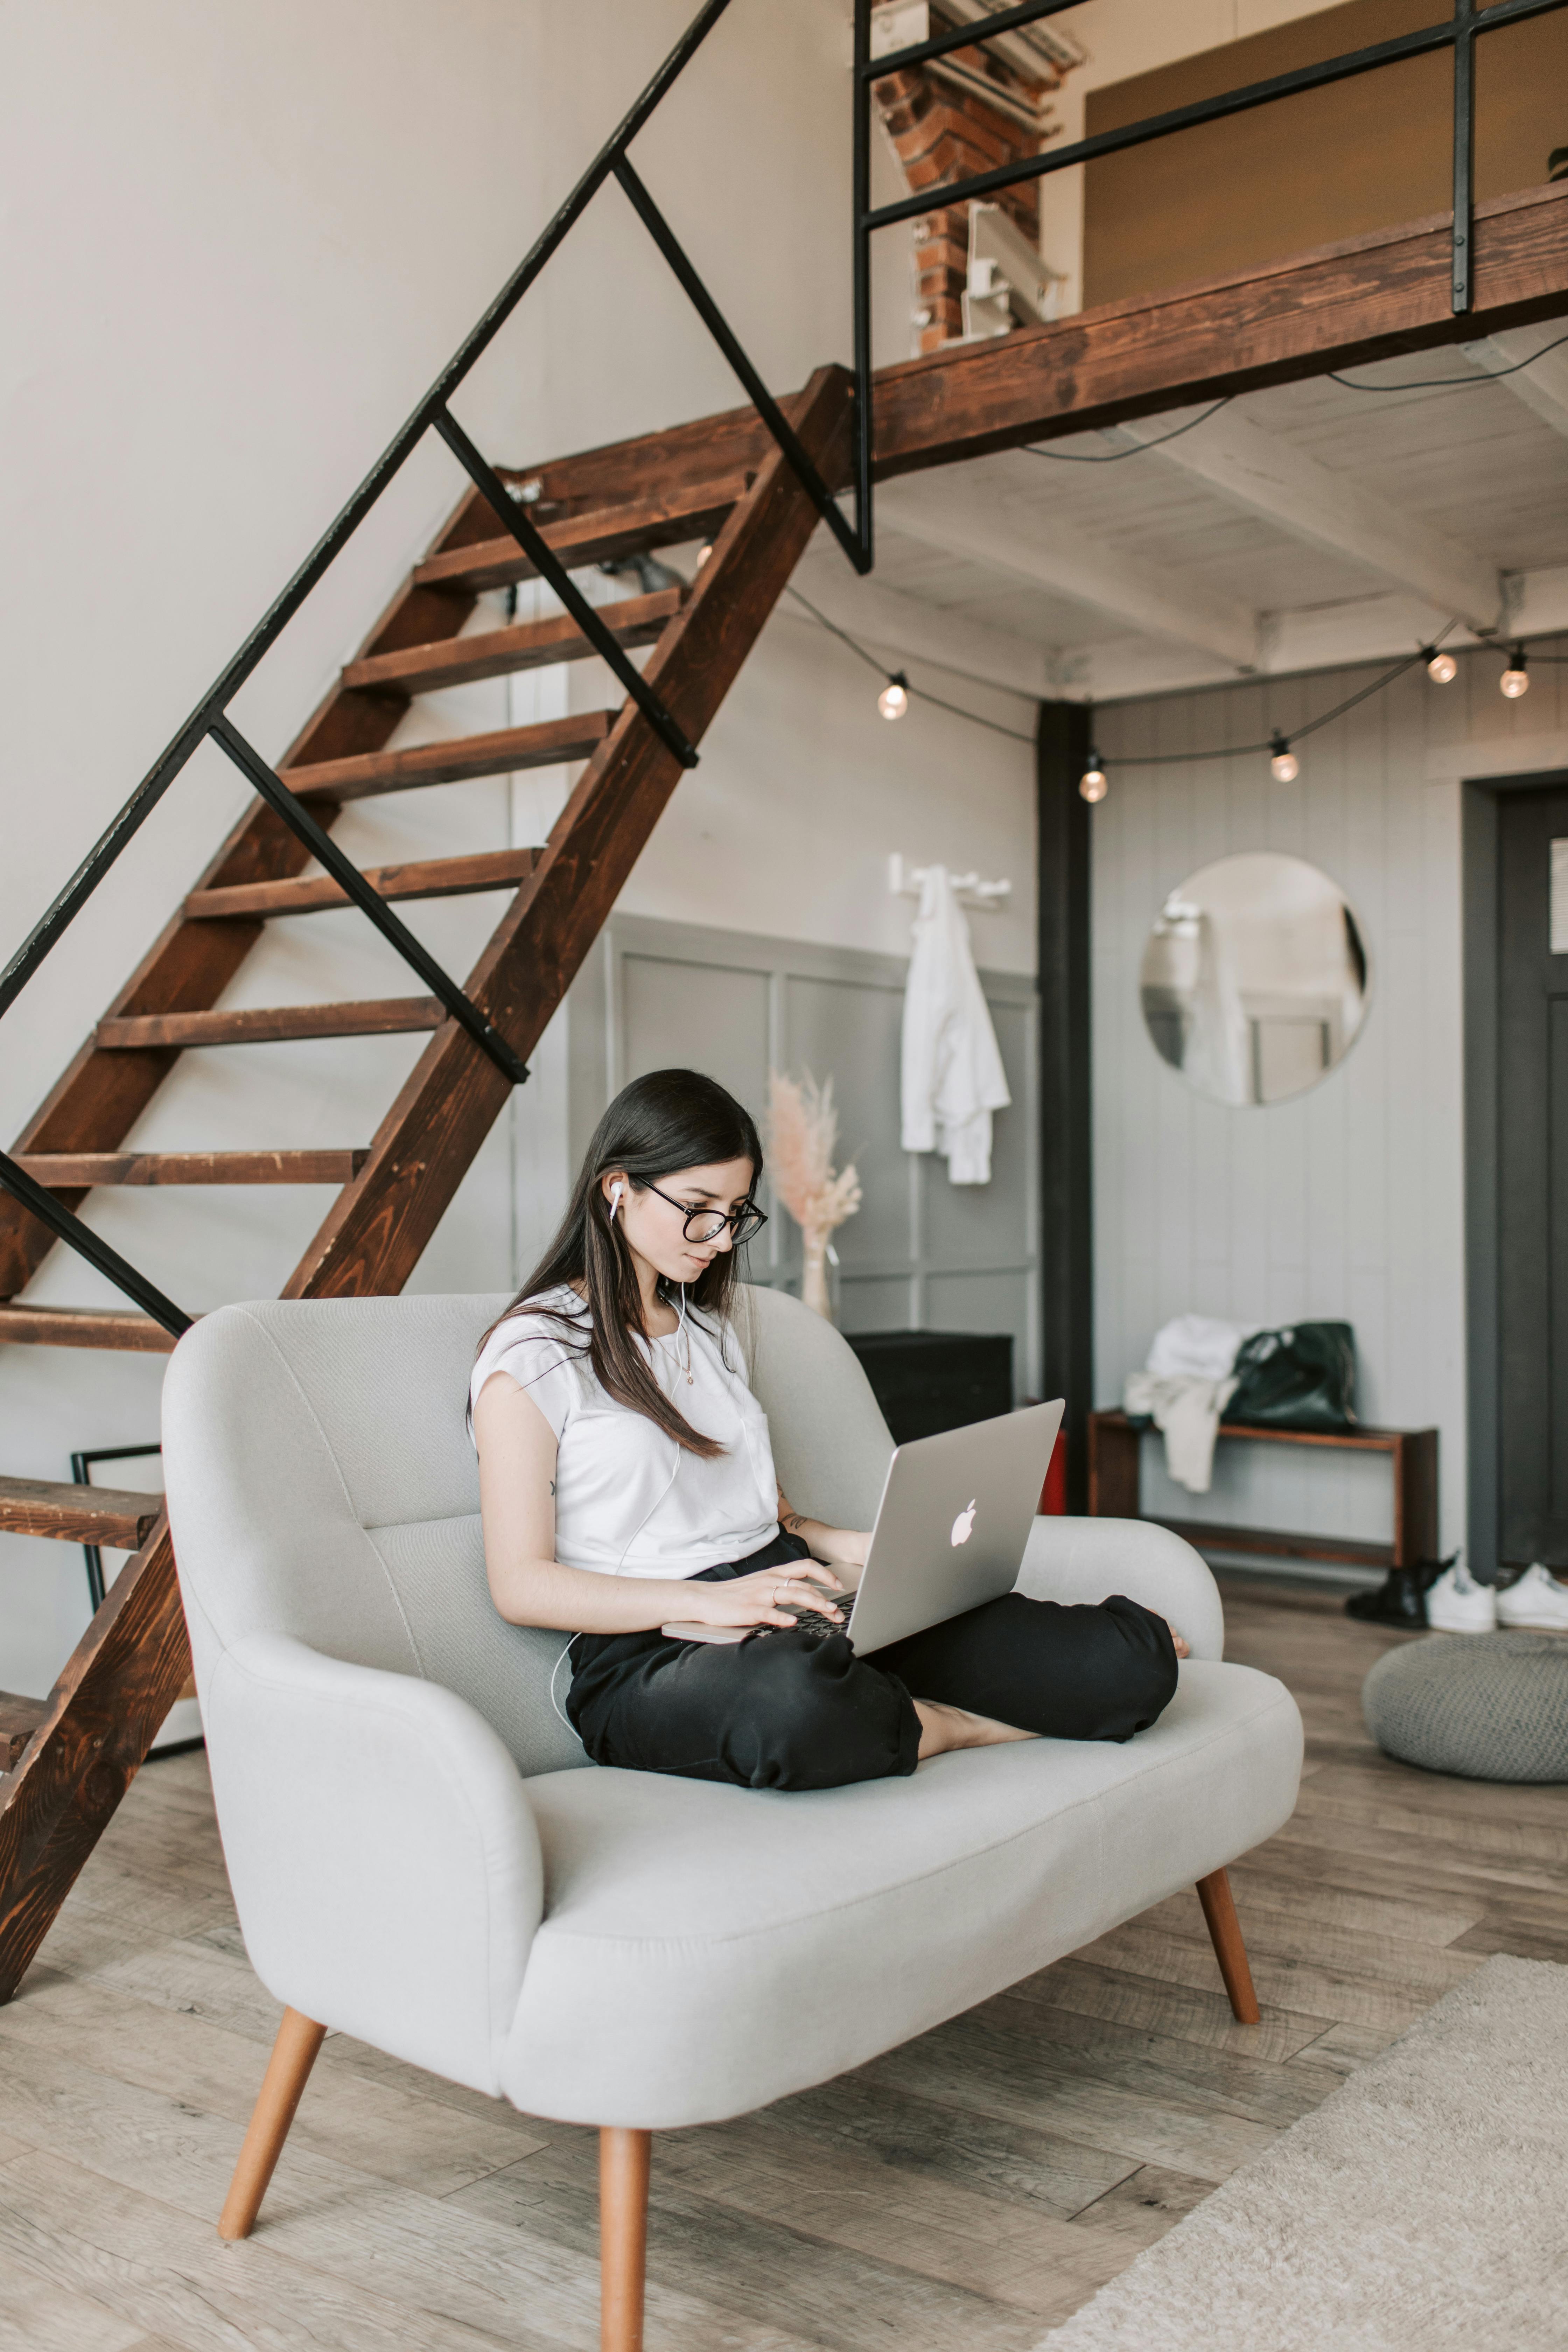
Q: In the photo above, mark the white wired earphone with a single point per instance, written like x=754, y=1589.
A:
x=615, y=1192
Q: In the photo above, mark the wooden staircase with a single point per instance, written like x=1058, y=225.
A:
x=71, y=1756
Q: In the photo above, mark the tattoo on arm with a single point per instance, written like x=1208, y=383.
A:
x=793, y=1522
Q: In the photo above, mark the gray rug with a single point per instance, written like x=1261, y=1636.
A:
x=1424, y=2204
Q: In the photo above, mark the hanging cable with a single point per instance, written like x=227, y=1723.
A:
x=1136, y=449
x=897, y=677
x=1420, y=383
x=1450, y=382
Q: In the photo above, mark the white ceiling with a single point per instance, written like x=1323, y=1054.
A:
x=1299, y=528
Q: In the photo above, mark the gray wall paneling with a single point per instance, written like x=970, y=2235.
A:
x=1348, y=1200
x=921, y=1252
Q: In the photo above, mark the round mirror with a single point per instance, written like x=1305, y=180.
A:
x=1255, y=978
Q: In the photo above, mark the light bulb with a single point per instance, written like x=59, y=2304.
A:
x=703, y=552
x=894, y=698
x=1515, y=679
x=1284, y=766
x=1442, y=670
x=1092, y=783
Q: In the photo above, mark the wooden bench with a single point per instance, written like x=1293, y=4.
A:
x=1113, y=1492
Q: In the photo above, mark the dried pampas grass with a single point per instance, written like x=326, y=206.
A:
x=802, y=1130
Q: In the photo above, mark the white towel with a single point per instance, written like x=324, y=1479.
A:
x=1188, y=1408
x=1195, y=1346
x=953, y=1076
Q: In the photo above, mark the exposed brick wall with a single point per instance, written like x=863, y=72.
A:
x=942, y=133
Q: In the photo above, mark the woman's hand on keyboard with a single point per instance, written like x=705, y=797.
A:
x=756, y=1600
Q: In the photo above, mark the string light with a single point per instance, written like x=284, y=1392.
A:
x=1284, y=764
x=1515, y=679
x=703, y=552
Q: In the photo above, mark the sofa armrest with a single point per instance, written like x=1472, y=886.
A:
x=1087, y=1559
x=383, y=1855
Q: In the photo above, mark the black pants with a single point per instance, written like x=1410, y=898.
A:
x=791, y=1710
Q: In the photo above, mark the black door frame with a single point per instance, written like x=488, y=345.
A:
x=1478, y=852
x=1067, y=1151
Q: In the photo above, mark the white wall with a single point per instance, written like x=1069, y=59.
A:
x=239, y=244
x=1348, y=1200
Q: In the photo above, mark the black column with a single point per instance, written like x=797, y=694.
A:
x=1067, y=1240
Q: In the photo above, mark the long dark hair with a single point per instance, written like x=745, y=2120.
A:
x=664, y=1122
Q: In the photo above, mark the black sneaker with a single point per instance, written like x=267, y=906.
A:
x=1401, y=1597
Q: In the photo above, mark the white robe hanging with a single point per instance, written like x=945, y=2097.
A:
x=953, y=1076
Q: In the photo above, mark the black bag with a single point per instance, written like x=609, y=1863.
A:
x=1302, y=1377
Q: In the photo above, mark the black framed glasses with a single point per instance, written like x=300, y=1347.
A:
x=707, y=1224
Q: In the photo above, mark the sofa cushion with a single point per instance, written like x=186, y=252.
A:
x=691, y=1928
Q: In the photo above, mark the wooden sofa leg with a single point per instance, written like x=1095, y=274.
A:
x=624, y=2160
x=1224, y=1930
x=288, y=2070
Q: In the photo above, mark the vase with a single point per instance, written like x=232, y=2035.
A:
x=814, y=1290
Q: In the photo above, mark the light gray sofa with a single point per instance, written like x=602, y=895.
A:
x=423, y=1858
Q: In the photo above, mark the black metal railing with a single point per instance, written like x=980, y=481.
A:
x=1459, y=33
x=210, y=717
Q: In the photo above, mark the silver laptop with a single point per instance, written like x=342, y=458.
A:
x=955, y=1517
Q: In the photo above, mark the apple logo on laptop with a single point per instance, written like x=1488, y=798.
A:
x=964, y=1525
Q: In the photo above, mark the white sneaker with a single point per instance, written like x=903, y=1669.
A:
x=1535, y=1598
x=1457, y=1604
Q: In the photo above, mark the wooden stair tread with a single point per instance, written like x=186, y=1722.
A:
x=19, y=1718
x=121, y=1517
x=268, y=1025
x=68, y=1171
x=496, y=653
x=628, y=527
x=500, y=752
x=426, y=877
x=83, y=1326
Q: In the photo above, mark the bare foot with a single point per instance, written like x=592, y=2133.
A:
x=943, y=1728
x=1184, y=1649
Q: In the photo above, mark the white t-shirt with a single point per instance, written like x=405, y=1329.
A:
x=629, y=1501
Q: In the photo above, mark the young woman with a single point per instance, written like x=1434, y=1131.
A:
x=626, y=1481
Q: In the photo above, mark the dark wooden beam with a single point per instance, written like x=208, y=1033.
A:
x=1343, y=306
x=1066, y=1171
x=97, y=1725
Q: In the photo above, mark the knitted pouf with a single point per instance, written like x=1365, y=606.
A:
x=1490, y=1707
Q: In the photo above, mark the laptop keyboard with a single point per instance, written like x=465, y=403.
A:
x=812, y=1621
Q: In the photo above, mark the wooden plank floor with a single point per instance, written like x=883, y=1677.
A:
x=961, y=2194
